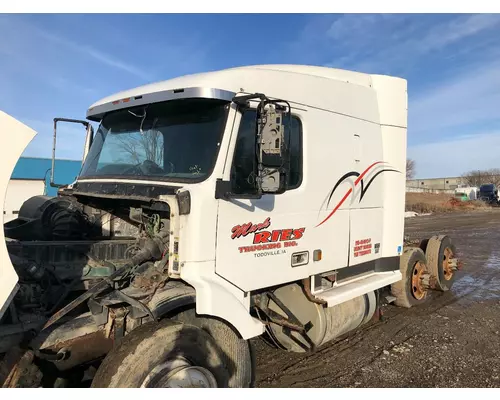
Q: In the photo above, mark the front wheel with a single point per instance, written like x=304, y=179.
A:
x=167, y=354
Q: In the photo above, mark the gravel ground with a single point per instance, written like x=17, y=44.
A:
x=451, y=341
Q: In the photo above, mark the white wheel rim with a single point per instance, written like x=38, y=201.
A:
x=179, y=373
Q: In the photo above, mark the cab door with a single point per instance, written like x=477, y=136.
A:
x=366, y=212
x=271, y=240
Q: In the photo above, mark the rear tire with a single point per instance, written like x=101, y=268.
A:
x=150, y=356
x=410, y=291
x=439, y=251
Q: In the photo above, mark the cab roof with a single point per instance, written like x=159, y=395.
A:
x=332, y=89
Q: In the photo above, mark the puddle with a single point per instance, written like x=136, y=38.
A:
x=476, y=241
x=479, y=288
x=493, y=261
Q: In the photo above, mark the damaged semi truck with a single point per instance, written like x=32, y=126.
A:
x=211, y=209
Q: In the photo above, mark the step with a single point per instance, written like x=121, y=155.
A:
x=390, y=299
x=350, y=290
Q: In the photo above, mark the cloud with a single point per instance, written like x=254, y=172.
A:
x=457, y=29
x=450, y=118
x=463, y=101
x=41, y=53
x=113, y=62
x=65, y=85
x=33, y=32
x=89, y=51
x=456, y=156
x=389, y=43
x=452, y=63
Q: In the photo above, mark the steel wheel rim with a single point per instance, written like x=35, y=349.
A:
x=179, y=373
x=418, y=289
x=447, y=269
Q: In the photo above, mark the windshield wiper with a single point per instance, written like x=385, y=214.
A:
x=136, y=167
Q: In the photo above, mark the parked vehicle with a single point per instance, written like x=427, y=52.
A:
x=466, y=193
x=489, y=193
x=211, y=209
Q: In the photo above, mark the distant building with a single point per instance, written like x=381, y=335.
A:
x=31, y=177
x=434, y=184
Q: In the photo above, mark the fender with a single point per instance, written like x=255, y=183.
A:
x=217, y=297
x=14, y=137
x=174, y=295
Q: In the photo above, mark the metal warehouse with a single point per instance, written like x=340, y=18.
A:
x=31, y=177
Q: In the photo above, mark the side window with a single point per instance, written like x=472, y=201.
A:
x=245, y=157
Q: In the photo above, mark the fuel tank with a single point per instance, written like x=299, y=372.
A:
x=324, y=323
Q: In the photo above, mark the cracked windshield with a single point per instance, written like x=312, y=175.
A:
x=176, y=140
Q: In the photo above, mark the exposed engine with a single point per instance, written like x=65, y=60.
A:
x=72, y=258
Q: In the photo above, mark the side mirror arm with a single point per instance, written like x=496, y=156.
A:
x=86, y=124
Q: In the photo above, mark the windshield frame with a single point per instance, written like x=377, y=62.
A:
x=161, y=178
x=133, y=98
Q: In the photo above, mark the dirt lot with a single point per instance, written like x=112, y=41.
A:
x=441, y=203
x=452, y=341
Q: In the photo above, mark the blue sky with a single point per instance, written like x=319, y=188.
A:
x=57, y=65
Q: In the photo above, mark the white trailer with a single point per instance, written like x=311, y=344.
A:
x=215, y=208
x=467, y=192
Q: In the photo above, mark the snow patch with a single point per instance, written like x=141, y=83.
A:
x=411, y=214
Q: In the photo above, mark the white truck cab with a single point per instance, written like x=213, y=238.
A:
x=269, y=199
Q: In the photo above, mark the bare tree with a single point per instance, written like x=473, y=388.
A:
x=139, y=147
x=410, y=168
x=474, y=178
x=495, y=176
x=481, y=177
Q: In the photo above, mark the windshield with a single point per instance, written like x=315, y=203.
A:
x=175, y=140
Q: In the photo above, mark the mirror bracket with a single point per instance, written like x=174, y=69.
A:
x=223, y=191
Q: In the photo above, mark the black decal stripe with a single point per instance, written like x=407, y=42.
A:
x=349, y=174
x=372, y=179
x=352, y=189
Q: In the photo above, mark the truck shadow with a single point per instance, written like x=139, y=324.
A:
x=266, y=203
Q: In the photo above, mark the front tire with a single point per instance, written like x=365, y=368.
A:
x=164, y=354
x=237, y=352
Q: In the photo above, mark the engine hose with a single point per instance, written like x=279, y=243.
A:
x=67, y=290
x=150, y=251
x=59, y=356
x=94, y=290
